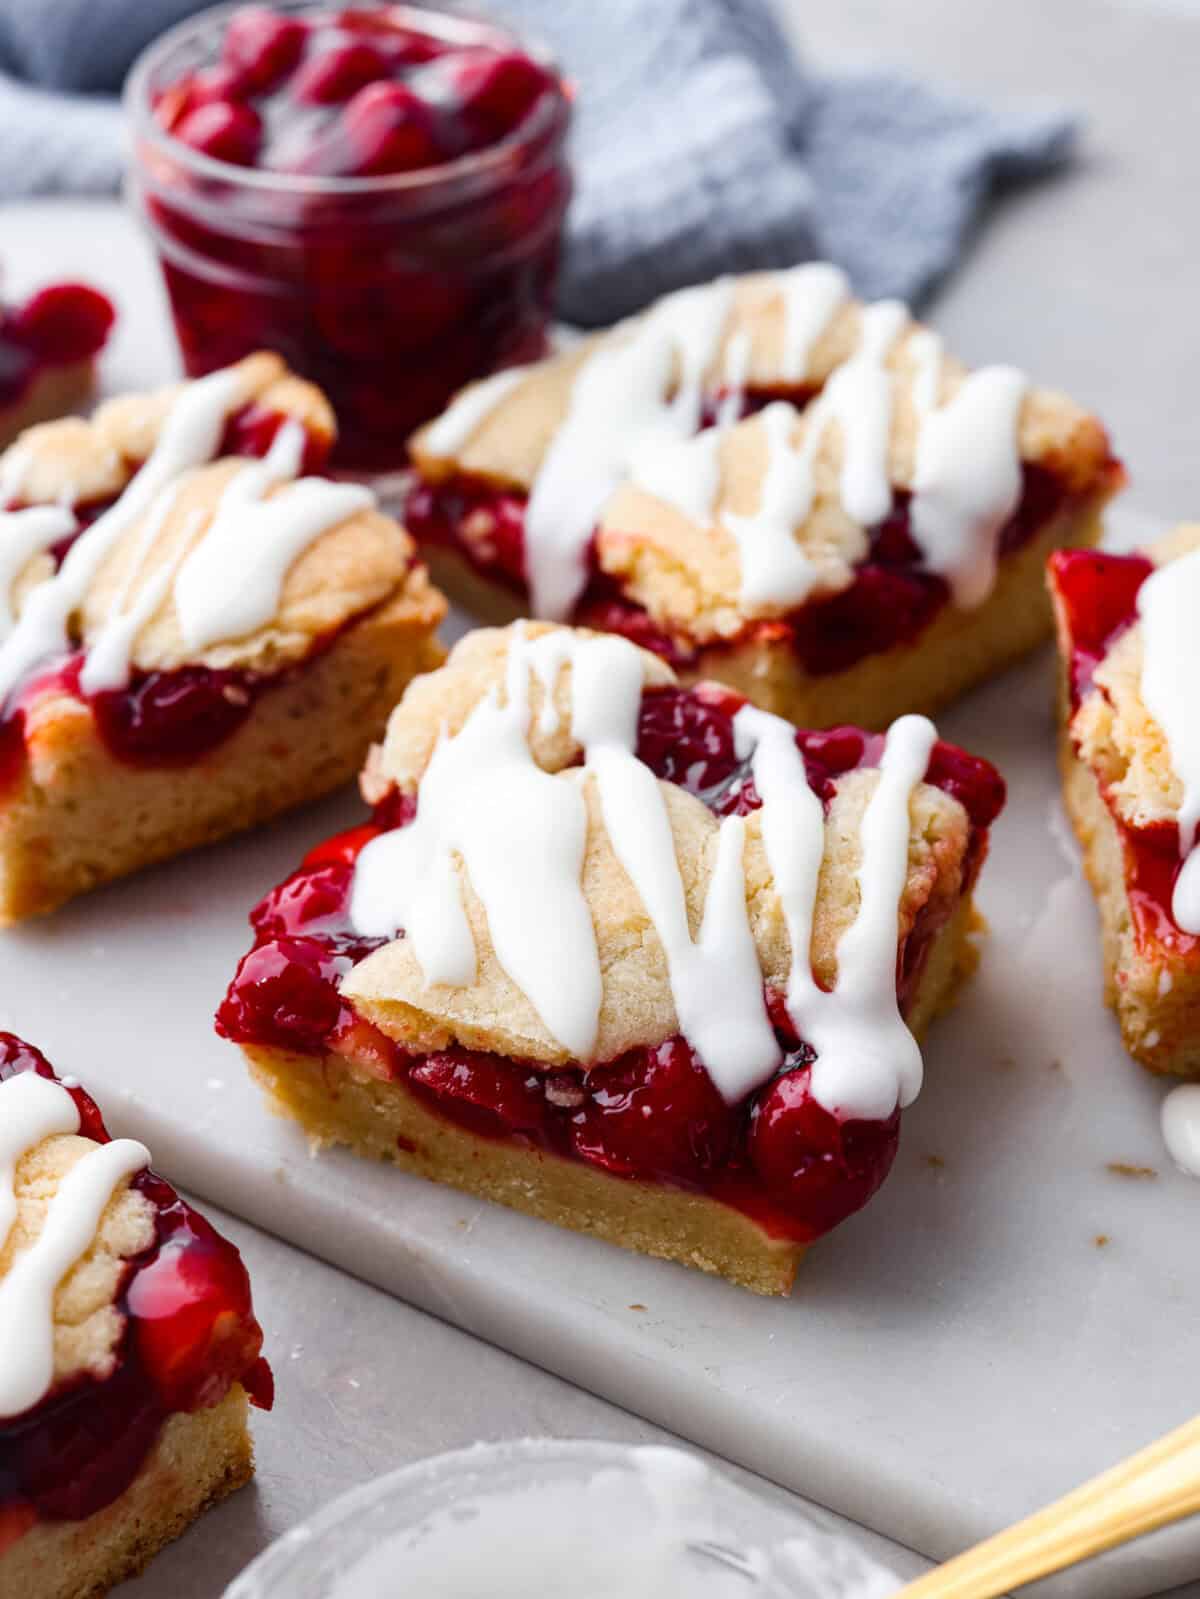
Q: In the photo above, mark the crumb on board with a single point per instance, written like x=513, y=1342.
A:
x=1101, y=1240
x=934, y=1162
x=1124, y=1168
x=637, y=1307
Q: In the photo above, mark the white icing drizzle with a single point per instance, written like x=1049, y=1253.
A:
x=812, y=296
x=619, y=404
x=1181, y=1127
x=967, y=474
x=521, y=835
x=190, y=436
x=259, y=539
x=33, y=1108
x=14, y=465
x=775, y=567
x=463, y=415
x=1168, y=605
x=867, y=1060
x=684, y=473
x=620, y=424
x=734, y=372
x=106, y=664
x=24, y=534
x=858, y=397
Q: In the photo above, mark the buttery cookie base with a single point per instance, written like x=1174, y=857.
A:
x=78, y=817
x=958, y=650
x=336, y=1102
x=1155, y=997
x=197, y=1461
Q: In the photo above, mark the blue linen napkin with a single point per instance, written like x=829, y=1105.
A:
x=702, y=144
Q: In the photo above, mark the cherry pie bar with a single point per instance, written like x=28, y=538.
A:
x=193, y=636
x=48, y=349
x=768, y=483
x=664, y=958
x=130, y=1348
x=1130, y=753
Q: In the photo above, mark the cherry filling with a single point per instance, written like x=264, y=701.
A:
x=654, y=1114
x=60, y=326
x=1097, y=599
x=890, y=602
x=393, y=294
x=161, y=718
x=189, y=1333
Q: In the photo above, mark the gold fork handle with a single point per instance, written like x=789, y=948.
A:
x=1159, y=1485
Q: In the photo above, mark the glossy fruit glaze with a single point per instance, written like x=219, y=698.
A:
x=891, y=600
x=1096, y=595
x=189, y=1333
x=59, y=326
x=654, y=1114
x=168, y=718
x=392, y=293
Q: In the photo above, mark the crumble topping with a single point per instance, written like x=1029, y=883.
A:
x=637, y=1005
x=87, y=1323
x=347, y=570
x=355, y=561
x=510, y=441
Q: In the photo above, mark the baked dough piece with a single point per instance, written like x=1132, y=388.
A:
x=134, y=1350
x=196, y=633
x=1125, y=794
x=595, y=1012
x=867, y=539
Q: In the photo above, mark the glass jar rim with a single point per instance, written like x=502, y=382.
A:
x=550, y=116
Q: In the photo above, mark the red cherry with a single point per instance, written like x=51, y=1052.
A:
x=262, y=45
x=16, y=1056
x=685, y=740
x=66, y=322
x=285, y=993
x=342, y=848
x=172, y=717
x=491, y=1096
x=605, y=612
x=1098, y=592
x=388, y=128
x=654, y=1113
x=303, y=900
x=881, y=607
x=224, y=130
x=974, y=782
x=195, y=1329
x=253, y=429
x=338, y=73
x=820, y=1168
x=406, y=47
x=500, y=89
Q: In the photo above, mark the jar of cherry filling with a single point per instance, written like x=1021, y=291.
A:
x=376, y=192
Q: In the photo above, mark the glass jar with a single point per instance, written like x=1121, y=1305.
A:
x=388, y=291
x=487, y=1517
